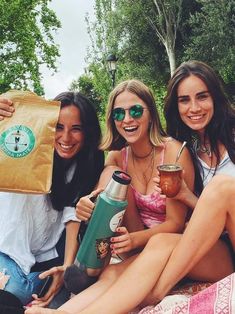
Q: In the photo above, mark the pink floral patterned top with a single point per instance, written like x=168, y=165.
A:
x=151, y=207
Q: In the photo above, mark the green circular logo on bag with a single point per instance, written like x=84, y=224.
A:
x=18, y=141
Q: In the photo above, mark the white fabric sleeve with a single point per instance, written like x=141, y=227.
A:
x=69, y=214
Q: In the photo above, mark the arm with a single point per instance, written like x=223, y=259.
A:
x=71, y=248
x=186, y=196
x=112, y=159
x=174, y=223
x=71, y=243
x=131, y=219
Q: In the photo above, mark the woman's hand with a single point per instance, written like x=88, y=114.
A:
x=85, y=206
x=121, y=243
x=6, y=108
x=183, y=192
x=58, y=275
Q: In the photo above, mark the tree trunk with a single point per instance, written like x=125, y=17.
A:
x=171, y=57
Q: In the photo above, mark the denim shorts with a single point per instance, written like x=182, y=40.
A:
x=19, y=284
x=23, y=286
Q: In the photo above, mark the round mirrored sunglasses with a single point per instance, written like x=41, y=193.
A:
x=135, y=112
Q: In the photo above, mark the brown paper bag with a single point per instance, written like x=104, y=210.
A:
x=27, y=143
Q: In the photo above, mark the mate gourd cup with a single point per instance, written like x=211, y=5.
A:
x=170, y=179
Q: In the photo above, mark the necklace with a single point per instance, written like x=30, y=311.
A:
x=205, y=150
x=141, y=157
x=150, y=166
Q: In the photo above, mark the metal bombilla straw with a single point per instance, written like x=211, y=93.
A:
x=180, y=151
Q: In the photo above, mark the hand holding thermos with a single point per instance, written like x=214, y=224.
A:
x=95, y=247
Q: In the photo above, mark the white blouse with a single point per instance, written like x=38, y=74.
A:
x=226, y=166
x=30, y=228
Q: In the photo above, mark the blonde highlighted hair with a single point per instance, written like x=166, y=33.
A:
x=112, y=140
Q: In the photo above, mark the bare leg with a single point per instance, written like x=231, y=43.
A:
x=134, y=284
x=215, y=265
x=83, y=299
x=215, y=210
x=40, y=310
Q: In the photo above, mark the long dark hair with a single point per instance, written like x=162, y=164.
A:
x=221, y=126
x=89, y=160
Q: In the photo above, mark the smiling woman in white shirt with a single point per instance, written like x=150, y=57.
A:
x=32, y=237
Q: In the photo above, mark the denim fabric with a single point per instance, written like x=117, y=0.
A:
x=19, y=284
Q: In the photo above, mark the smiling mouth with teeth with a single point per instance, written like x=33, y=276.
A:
x=195, y=118
x=66, y=146
x=130, y=129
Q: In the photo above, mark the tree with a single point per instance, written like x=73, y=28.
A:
x=165, y=22
x=147, y=34
x=26, y=42
x=213, y=36
x=87, y=85
x=125, y=28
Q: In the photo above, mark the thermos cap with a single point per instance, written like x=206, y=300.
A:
x=121, y=177
x=117, y=186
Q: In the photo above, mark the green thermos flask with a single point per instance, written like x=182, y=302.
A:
x=106, y=217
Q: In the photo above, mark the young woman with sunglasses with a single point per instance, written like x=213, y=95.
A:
x=137, y=144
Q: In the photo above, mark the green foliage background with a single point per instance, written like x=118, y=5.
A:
x=26, y=42
x=136, y=31
x=206, y=32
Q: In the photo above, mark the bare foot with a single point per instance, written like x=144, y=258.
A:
x=41, y=310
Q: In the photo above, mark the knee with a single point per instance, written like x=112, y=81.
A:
x=220, y=185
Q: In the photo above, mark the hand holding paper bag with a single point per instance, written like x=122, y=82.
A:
x=27, y=143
